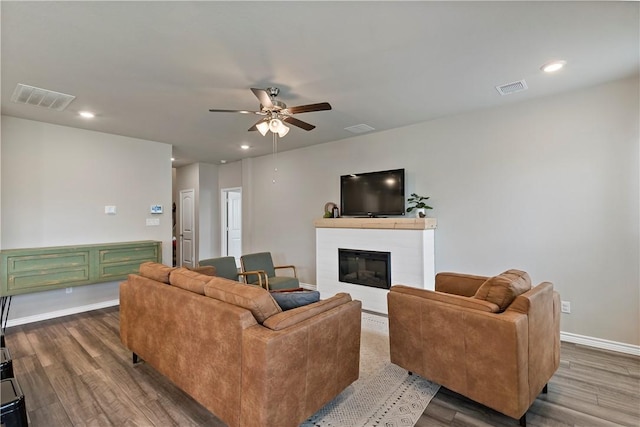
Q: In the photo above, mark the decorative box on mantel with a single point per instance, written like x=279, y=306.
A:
x=410, y=242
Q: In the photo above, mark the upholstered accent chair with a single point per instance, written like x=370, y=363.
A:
x=263, y=262
x=495, y=340
x=226, y=267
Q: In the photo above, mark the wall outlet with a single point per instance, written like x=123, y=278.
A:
x=68, y=290
x=565, y=307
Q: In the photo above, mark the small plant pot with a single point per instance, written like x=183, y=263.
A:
x=421, y=212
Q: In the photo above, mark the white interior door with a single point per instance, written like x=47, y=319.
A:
x=232, y=223
x=187, y=228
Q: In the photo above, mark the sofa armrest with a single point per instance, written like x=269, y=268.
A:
x=288, y=375
x=294, y=316
x=465, y=285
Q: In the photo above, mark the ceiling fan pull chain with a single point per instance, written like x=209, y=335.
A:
x=275, y=157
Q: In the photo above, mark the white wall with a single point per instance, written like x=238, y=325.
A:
x=56, y=182
x=549, y=186
x=209, y=245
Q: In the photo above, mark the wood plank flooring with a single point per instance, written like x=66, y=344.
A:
x=75, y=372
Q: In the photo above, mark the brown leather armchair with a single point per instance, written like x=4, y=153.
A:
x=495, y=340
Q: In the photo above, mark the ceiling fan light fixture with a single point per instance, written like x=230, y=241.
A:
x=263, y=128
x=275, y=125
x=283, y=130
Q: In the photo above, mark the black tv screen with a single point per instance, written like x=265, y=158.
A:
x=372, y=193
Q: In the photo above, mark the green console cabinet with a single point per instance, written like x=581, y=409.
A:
x=42, y=269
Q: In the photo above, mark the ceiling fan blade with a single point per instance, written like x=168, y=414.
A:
x=215, y=110
x=299, y=123
x=254, y=127
x=263, y=97
x=309, y=108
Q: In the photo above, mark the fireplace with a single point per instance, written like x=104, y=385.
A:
x=367, y=268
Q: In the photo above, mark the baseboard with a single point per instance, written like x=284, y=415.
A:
x=61, y=313
x=600, y=343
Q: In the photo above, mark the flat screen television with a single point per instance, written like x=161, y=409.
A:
x=372, y=193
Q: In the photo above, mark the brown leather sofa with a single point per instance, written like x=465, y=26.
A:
x=495, y=339
x=231, y=347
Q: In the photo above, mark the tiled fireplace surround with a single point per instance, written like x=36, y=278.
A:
x=410, y=241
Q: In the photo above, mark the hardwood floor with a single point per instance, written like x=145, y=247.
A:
x=75, y=372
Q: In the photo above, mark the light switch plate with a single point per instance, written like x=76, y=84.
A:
x=153, y=221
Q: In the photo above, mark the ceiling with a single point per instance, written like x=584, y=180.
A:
x=152, y=70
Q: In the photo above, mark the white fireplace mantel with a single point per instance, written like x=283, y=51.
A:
x=409, y=240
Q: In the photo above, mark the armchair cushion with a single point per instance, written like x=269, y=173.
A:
x=155, y=271
x=253, y=298
x=457, y=300
x=504, y=288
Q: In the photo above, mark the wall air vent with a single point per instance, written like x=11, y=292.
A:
x=510, y=88
x=362, y=128
x=24, y=94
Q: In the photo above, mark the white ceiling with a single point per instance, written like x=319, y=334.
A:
x=152, y=70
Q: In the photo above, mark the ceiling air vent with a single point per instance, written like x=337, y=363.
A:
x=510, y=88
x=24, y=94
x=362, y=128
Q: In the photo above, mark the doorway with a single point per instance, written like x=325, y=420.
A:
x=232, y=223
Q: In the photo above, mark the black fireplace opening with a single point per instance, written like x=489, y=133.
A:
x=367, y=268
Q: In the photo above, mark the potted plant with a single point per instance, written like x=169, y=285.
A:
x=418, y=204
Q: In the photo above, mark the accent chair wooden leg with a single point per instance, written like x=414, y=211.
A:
x=523, y=420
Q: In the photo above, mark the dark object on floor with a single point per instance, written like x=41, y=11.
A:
x=6, y=363
x=13, y=412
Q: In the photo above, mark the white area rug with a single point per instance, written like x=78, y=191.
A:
x=384, y=395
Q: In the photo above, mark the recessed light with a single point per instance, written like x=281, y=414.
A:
x=223, y=161
x=551, y=67
x=245, y=147
x=173, y=159
x=87, y=114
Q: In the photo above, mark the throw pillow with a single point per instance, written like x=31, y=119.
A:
x=289, y=300
x=504, y=288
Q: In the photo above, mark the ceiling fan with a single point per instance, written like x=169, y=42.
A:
x=276, y=112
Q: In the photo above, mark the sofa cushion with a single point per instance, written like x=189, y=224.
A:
x=292, y=317
x=155, y=271
x=504, y=288
x=251, y=297
x=190, y=280
x=208, y=270
x=292, y=298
